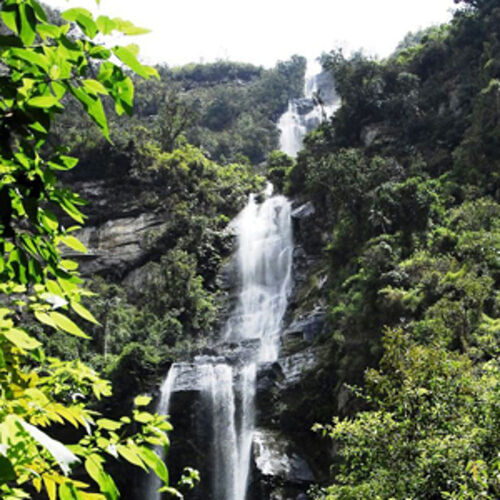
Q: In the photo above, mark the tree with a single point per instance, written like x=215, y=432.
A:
x=432, y=432
x=42, y=66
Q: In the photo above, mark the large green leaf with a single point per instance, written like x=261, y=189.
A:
x=154, y=462
x=93, y=465
x=74, y=243
x=83, y=312
x=127, y=56
x=43, y=101
x=28, y=23
x=83, y=18
x=67, y=491
x=21, y=339
x=64, y=323
x=128, y=28
x=7, y=472
x=31, y=56
x=130, y=453
x=10, y=16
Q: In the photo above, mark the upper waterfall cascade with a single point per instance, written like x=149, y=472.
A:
x=304, y=114
x=228, y=386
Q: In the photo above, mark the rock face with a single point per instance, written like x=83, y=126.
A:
x=120, y=244
x=284, y=450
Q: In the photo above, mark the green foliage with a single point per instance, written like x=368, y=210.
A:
x=432, y=432
x=404, y=180
x=278, y=168
x=226, y=109
x=44, y=65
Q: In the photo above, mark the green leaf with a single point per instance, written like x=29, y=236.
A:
x=39, y=12
x=45, y=319
x=7, y=472
x=94, y=108
x=124, y=96
x=95, y=86
x=44, y=101
x=38, y=127
x=100, y=52
x=28, y=23
x=110, y=425
x=142, y=400
x=128, y=28
x=73, y=14
x=74, y=243
x=21, y=339
x=48, y=220
x=69, y=265
x=84, y=312
x=68, y=162
x=143, y=417
x=31, y=56
x=98, y=474
x=84, y=19
x=48, y=30
x=10, y=16
x=105, y=25
x=64, y=323
x=154, y=462
x=67, y=491
x=127, y=56
x=131, y=455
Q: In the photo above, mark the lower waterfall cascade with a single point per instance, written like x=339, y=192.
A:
x=227, y=385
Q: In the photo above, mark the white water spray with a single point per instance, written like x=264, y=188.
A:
x=305, y=114
x=264, y=262
x=264, y=257
x=163, y=408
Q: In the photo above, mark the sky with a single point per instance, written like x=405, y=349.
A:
x=265, y=31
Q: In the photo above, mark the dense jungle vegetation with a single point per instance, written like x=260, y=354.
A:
x=405, y=179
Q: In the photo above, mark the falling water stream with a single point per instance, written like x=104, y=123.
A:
x=306, y=113
x=264, y=265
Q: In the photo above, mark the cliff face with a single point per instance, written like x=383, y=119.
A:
x=138, y=222
x=126, y=236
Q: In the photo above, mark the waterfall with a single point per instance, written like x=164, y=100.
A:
x=224, y=444
x=154, y=482
x=306, y=113
x=292, y=130
x=264, y=264
x=248, y=389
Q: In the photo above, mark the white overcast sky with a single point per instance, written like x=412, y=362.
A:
x=265, y=31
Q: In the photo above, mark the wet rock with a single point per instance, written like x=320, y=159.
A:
x=294, y=366
x=278, y=470
x=304, y=211
x=307, y=327
x=326, y=86
x=306, y=233
x=227, y=277
x=304, y=105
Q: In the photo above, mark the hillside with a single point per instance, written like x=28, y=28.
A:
x=374, y=268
